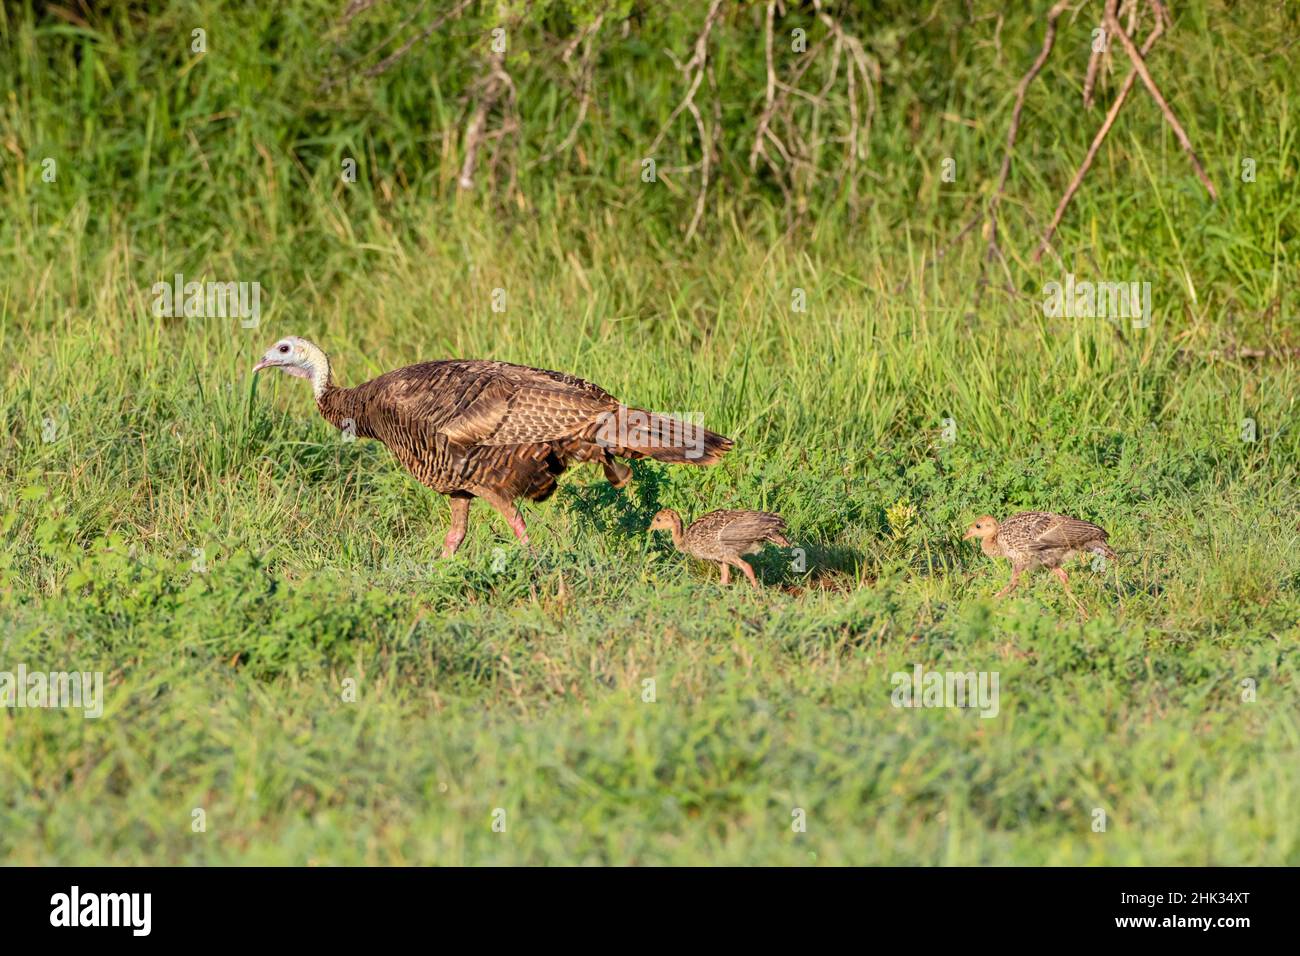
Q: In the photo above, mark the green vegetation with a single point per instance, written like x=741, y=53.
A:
x=234, y=567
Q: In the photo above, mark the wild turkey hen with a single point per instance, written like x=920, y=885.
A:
x=1034, y=539
x=480, y=429
x=723, y=536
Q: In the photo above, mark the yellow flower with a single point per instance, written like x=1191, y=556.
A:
x=901, y=517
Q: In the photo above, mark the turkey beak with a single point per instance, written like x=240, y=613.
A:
x=265, y=363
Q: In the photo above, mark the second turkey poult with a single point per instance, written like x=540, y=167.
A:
x=1035, y=539
x=492, y=430
x=723, y=536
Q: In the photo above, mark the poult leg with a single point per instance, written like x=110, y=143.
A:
x=1011, y=585
x=726, y=572
x=749, y=572
x=1065, y=583
x=459, y=523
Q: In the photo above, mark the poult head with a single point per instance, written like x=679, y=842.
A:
x=983, y=528
x=664, y=520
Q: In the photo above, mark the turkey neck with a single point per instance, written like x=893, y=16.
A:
x=676, y=531
x=991, y=547
x=338, y=405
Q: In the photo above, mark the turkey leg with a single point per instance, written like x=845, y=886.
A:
x=1011, y=585
x=511, y=514
x=459, y=502
x=749, y=572
x=1065, y=583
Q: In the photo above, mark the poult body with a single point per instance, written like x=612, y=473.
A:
x=1034, y=539
x=723, y=536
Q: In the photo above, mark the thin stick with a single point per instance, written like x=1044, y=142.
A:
x=585, y=84
x=696, y=69
x=1094, y=61
x=1022, y=89
x=1140, y=65
x=859, y=128
x=706, y=149
x=386, y=63
x=492, y=85
x=696, y=63
x=769, y=96
x=1095, y=146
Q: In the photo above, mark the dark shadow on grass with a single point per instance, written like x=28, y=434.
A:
x=627, y=511
x=804, y=564
x=1126, y=589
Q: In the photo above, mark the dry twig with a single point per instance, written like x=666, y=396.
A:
x=695, y=70
x=586, y=83
x=1095, y=61
x=1093, y=148
x=495, y=83
x=359, y=6
x=1139, y=64
x=1022, y=89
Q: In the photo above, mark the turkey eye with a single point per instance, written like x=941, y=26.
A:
x=283, y=349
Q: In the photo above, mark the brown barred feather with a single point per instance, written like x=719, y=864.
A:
x=497, y=430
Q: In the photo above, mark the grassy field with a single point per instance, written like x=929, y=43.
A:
x=283, y=651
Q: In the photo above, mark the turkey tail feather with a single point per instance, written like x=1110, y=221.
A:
x=636, y=433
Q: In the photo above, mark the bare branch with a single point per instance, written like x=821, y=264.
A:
x=1022, y=89
x=769, y=97
x=695, y=69
x=1139, y=64
x=1094, y=61
x=358, y=6
x=1096, y=144
x=586, y=84
x=491, y=86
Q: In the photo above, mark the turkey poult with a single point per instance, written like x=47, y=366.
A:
x=481, y=429
x=723, y=536
x=1034, y=539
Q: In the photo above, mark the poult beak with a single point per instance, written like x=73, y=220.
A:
x=970, y=533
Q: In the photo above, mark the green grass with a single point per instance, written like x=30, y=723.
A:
x=514, y=681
